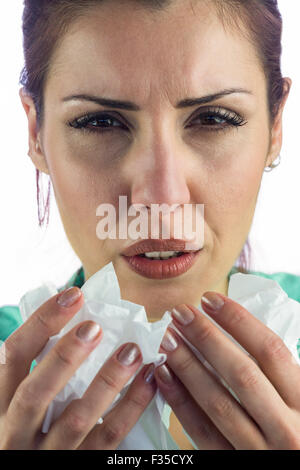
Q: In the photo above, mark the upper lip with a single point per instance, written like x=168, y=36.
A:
x=150, y=245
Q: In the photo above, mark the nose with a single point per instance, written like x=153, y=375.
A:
x=160, y=175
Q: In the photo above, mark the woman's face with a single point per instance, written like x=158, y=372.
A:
x=212, y=153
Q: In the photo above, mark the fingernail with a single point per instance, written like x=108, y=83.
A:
x=165, y=374
x=68, y=297
x=183, y=315
x=149, y=374
x=88, y=331
x=169, y=343
x=213, y=301
x=128, y=355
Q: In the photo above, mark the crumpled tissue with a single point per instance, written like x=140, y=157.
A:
x=123, y=321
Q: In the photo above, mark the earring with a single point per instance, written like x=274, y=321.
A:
x=273, y=165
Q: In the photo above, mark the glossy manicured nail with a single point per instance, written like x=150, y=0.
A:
x=88, y=331
x=183, y=315
x=128, y=355
x=149, y=374
x=165, y=374
x=169, y=343
x=68, y=297
x=213, y=301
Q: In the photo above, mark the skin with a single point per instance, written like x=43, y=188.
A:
x=266, y=381
x=24, y=397
x=159, y=159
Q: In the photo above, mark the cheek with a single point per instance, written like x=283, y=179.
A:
x=231, y=174
x=96, y=151
x=81, y=182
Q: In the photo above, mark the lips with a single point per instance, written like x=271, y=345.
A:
x=161, y=269
x=150, y=245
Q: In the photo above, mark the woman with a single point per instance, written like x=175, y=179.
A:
x=193, y=114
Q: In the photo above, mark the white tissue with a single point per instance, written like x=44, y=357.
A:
x=270, y=304
x=123, y=321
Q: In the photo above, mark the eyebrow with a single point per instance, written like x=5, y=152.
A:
x=130, y=106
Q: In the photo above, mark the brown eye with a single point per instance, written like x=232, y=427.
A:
x=99, y=123
x=211, y=120
x=217, y=119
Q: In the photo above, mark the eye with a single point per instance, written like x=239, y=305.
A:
x=217, y=119
x=98, y=123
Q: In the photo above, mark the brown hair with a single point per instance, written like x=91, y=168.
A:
x=45, y=22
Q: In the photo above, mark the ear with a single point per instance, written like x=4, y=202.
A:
x=276, y=134
x=35, y=151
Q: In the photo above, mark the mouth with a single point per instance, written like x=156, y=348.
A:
x=161, y=248
x=162, y=265
x=162, y=255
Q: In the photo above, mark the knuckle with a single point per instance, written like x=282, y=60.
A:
x=221, y=407
x=204, y=332
x=138, y=401
x=42, y=323
x=274, y=348
x=62, y=357
x=11, y=352
x=27, y=398
x=185, y=364
x=237, y=315
x=76, y=424
x=178, y=399
x=204, y=431
x=246, y=376
x=112, y=434
x=108, y=381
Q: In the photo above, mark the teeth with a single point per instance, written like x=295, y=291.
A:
x=161, y=254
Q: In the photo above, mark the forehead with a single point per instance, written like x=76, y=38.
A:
x=122, y=50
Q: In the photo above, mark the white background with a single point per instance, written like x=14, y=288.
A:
x=30, y=255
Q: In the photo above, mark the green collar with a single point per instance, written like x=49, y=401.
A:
x=78, y=279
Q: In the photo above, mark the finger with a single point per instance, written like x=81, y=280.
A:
x=121, y=419
x=256, y=393
x=76, y=421
x=195, y=422
x=27, y=409
x=270, y=352
x=215, y=400
x=24, y=344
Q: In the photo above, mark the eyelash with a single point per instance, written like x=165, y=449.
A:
x=232, y=119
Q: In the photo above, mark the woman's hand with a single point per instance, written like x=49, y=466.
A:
x=24, y=397
x=267, y=381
